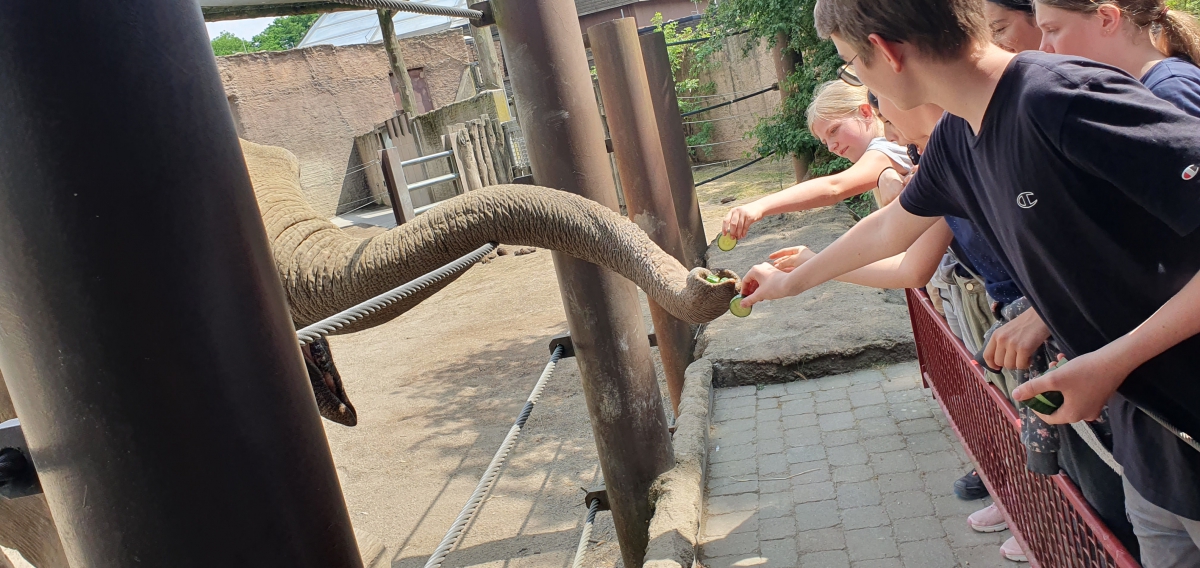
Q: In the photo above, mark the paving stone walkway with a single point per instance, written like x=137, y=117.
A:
x=847, y=471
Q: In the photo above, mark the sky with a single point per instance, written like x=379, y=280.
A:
x=244, y=29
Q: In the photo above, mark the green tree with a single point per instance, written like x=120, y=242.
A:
x=285, y=33
x=786, y=132
x=282, y=33
x=228, y=44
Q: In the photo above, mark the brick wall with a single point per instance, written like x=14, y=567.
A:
x=314, y=101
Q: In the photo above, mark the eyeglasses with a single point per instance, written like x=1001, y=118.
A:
x=846, y=73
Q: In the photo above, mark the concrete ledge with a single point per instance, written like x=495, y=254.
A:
x=678, y=495
x=831, y=329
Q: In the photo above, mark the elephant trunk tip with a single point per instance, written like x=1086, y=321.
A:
x=709, y=293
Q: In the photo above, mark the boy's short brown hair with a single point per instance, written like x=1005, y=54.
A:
x=939, y=28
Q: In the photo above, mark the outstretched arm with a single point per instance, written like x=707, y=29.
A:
x=910, y=269
x=1087, y=381
x=818, y=192
x=880, y=235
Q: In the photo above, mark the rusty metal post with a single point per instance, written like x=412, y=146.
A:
x=643, y=171
x=786, y=62
x=144, y=334
x=674, y=148
x=561, y=122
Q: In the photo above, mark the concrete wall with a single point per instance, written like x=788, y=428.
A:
x=314, y=101
x=737, y=73
x=431, y=126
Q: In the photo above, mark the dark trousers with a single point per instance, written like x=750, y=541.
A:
x=1100, y=485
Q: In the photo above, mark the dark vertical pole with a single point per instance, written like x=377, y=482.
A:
x=786, y=62
x=144, y=334
x=643, y=171
x=674, y=148
x=561, y=121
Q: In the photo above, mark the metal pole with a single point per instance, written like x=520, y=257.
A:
x=786, y=62
x=637, y=148
x=674, y=148
x=144, y=334
x=408, y=100
x=553, y=88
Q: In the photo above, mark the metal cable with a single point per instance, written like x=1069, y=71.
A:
x=739, y=168
x=493, y=470
x=774, y=87
x=416, y=8
x=337, y=321
x=586, y=536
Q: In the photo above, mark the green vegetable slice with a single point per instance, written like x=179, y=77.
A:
x=1045, y=403
x=735, y=307
x=726, y=242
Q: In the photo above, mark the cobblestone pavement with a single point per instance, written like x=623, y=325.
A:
x=853, y=470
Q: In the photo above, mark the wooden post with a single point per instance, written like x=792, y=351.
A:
x=396, y=59
x=481, y=161
x=786, y=62
x=397, y=185
x=489, y=152
x=496, y=143
x=465, y=155
x=455, y=165
x=489, y=60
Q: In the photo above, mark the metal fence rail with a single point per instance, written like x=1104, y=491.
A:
x=1047, y=514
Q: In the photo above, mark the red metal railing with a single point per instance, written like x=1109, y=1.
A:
x=1047, y=514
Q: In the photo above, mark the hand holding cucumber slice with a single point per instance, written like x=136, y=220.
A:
x=735, y=307
x=1048, y=402
x=726, y=242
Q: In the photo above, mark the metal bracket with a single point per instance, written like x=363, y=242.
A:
x=26, y=483
x=564, y=339
x=597, y=494
x=488, y=17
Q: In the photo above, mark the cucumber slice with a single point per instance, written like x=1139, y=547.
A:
x=713, y=279
x=1045, y=403
x=735, y=307
x=726, y=242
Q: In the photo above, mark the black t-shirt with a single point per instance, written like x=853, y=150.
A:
x=1087, y=186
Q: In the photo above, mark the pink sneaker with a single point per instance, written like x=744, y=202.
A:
x=1012, y=551
x=988, y=520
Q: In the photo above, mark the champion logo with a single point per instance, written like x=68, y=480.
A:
x=1026, y=200
x=1190, y=172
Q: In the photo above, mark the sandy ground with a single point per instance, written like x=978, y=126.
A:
x=438, y=389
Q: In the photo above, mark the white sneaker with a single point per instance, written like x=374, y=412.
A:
x=1012, y=551
x=987, y=520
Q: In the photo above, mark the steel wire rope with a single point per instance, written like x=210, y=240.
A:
x=417, y=8
x=493, y=470
x=311, y=333
x=586, y=536
x=773, y=87
x=739, y=168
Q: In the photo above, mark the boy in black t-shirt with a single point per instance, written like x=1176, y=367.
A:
x=1089, y=187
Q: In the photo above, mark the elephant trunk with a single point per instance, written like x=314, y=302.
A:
x=324, y=270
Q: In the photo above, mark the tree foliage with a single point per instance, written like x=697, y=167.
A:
x=282, y=33
x=786, y=132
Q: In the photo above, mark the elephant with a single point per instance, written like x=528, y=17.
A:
x=323, y=271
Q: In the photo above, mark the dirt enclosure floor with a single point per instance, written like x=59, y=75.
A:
x=437, y=391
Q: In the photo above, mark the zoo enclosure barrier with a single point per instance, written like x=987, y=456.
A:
x=559, y=348
x=1047, y=514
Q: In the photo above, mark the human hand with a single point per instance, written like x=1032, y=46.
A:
x=788, y=259
x=1086, y=384
x=1014, y=343
x=764, y=282
x=737, y=222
